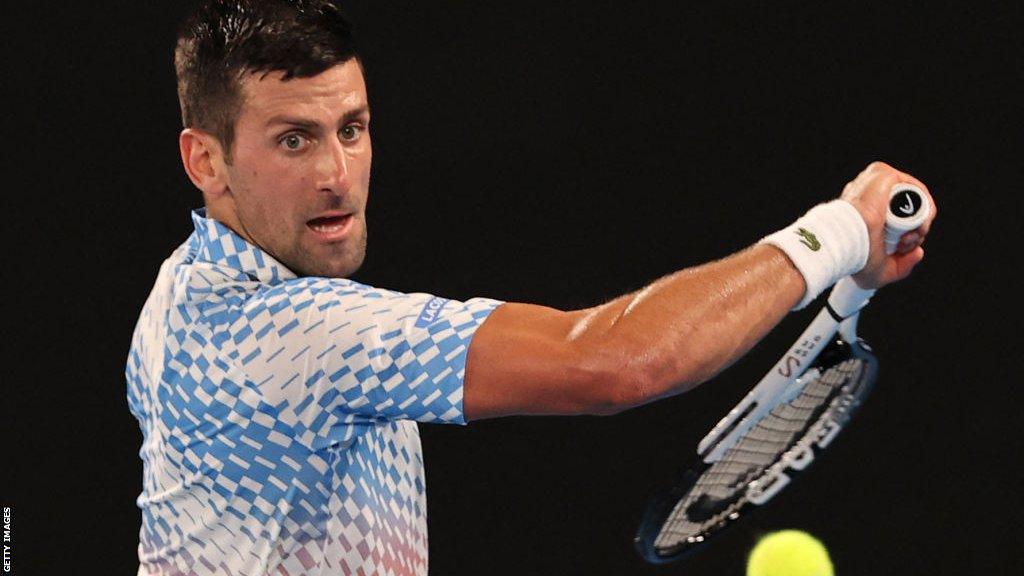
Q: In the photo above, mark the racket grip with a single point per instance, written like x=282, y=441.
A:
x=908, y=209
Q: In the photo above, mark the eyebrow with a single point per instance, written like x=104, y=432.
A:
x=310, y=124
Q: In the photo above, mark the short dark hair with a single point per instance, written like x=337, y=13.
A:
x=222, y=40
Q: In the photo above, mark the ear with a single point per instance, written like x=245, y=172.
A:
x=203, y=159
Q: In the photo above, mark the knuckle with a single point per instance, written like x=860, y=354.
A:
x=879, y=166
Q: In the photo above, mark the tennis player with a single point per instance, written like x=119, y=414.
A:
x=279, y=401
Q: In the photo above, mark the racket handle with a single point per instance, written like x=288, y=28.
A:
x=908, y=209
x=847, y=297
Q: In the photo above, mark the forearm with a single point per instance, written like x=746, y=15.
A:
x=684, y=328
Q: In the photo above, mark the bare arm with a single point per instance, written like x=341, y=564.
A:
x=663, y=339
x=660, y=340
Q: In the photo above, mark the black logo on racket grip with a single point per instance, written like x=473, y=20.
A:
x=792, y=360
x=905, y=203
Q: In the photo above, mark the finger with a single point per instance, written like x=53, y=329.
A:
x=910, y=179
x=878, y=166
x=909, y=241
x=923, y=229
x=900, y=266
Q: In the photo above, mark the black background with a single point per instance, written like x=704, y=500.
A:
x=559, y=153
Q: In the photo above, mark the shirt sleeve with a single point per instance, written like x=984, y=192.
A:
x=330, y=354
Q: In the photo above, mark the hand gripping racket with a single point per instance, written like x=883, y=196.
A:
x=788, y=418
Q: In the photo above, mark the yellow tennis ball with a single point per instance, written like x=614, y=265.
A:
x=789, y=553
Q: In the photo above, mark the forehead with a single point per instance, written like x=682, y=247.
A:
x=329, y=94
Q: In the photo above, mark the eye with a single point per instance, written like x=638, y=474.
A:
x=294, y=142
x=351, y=132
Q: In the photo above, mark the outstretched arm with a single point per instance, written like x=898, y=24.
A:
x=667, y=337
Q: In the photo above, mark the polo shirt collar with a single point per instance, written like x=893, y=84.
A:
x=217, y=244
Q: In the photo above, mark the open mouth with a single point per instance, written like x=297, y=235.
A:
x=330, y=226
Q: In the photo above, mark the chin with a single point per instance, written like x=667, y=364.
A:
x=344, y=272
x=328, y=263
x=337, y=269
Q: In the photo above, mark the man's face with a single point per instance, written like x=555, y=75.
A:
x=300, y=174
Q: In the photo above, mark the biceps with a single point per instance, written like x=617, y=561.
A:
x=524, y=360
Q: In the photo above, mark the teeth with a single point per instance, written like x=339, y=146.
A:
x=328, y=228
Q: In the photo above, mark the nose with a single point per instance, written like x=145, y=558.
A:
x=333, y=169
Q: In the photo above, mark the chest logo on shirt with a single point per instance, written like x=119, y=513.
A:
x=431, y=312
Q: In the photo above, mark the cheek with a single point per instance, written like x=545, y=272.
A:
x=273, y=190
x=280, y=189
x=365, y=163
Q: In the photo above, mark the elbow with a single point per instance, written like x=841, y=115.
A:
x=630, y=391
x=622, y=378
x=618, y=392
x=631, y=378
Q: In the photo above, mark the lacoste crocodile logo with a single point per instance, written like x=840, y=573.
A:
x=808, y=239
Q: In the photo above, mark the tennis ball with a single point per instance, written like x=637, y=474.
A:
x=789, y=553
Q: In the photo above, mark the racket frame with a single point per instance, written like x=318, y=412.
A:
x=781, y=384
x=909, y=208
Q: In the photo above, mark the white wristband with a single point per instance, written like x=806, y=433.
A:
x=826, y=244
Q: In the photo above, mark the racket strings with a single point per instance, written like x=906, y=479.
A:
x=721, y=489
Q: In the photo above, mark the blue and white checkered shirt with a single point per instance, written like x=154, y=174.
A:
x=279, y=414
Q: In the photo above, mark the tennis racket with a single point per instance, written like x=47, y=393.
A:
x=784, y=422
